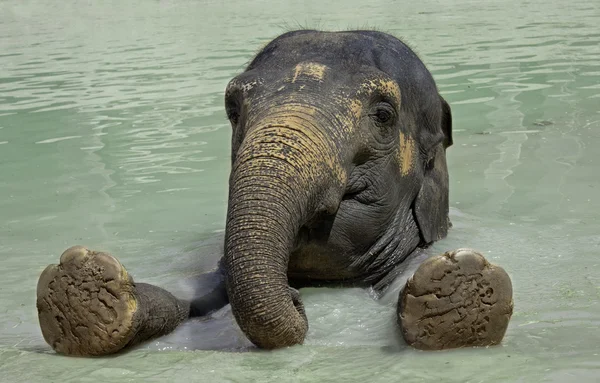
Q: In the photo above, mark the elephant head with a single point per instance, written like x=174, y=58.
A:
x=338, y=172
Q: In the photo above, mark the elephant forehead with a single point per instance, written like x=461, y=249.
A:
x=311, y=70
x=383, y=85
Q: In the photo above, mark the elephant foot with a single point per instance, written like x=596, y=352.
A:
x=86, y=304
x=457, y=299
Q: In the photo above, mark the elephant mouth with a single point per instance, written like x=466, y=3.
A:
x=318, y=229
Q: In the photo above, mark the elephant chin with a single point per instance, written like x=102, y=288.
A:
x=279, y=178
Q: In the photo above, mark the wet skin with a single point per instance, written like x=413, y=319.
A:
x=338, y=175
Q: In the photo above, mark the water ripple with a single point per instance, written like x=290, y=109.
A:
x=113, y=133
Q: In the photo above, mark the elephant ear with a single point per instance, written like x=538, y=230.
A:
x=431, y=204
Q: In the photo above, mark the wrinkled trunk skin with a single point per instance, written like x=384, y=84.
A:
x=282, y=173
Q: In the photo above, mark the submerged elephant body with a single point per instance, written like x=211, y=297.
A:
x=338, y=174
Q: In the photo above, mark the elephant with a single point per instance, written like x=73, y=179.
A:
x=338, y=176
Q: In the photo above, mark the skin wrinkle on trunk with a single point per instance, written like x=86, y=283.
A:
x=257, y=280
x=279, y=178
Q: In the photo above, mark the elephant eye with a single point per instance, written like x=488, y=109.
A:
x=383, y=113
x=233, y=105
x=232, y=113
x=234, y=117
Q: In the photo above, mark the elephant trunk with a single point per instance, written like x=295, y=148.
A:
x=284, y=172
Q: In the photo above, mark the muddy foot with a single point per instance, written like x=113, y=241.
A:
x=457, y=299
x=86, y=304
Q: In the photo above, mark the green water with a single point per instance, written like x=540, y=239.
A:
x=113, y=135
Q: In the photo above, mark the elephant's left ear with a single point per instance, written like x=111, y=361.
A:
x=431, y=205
x=446, y=123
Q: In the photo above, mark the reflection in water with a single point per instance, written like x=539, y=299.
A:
x=113, y=135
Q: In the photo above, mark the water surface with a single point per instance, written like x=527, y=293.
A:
x=113, y=135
